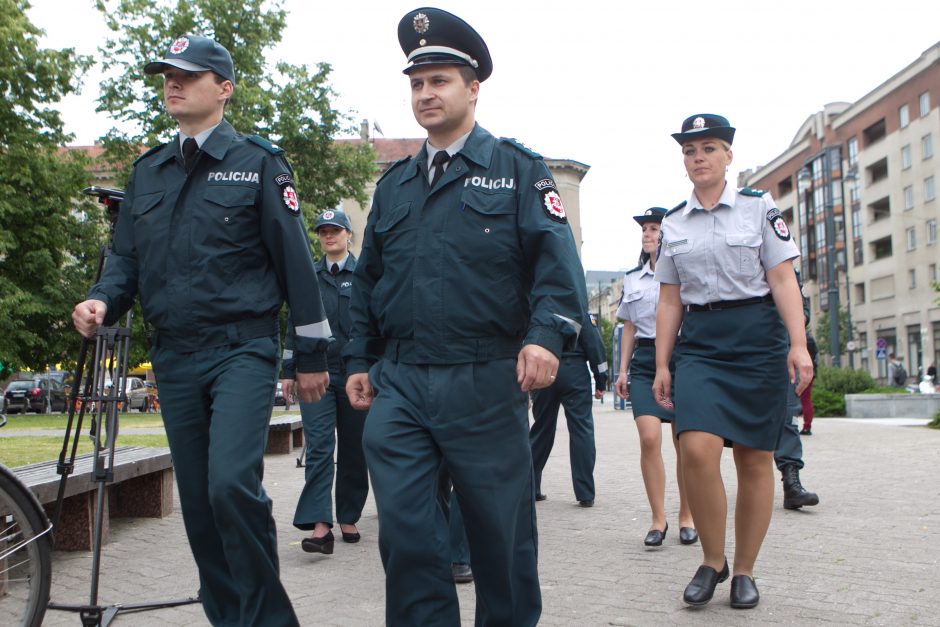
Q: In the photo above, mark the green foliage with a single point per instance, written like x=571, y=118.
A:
x=935, y=423
x=828, y=403
x=842, y=380
x=823, y=332
x=606, y=330
x=47, y=235
x=885, y=390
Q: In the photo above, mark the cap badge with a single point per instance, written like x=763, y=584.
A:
x=328, y=215
x=422, y=42
x=179, y=46
x=421, y=23
x=649, y=212
x=698, y=123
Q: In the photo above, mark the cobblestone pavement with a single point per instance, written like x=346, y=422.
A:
x=868, y=554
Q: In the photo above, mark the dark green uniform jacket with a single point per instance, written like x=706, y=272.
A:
x=590, y=347
x=470, y=272
x=215, y=268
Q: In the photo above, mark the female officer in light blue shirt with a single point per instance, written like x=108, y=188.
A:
x=727, y=278
x=635, y=381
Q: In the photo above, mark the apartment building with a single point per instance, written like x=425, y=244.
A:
x=858, y=185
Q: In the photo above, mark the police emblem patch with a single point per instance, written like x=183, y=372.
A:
x=421, y=23
x=179, y=45
x=698, y=123
x=551, y=201
x=290, y=199
x=779, y=224
x=328, y=215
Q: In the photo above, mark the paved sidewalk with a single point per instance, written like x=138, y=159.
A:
x=869, y=554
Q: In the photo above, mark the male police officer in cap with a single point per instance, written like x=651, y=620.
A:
x=467, y=291
x=211, y=238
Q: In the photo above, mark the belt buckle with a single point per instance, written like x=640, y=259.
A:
x=710, y=306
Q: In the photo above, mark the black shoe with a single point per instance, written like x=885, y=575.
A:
x=744, y=594
x=702, y=587
x=351, y=538
x=795, y=495
x=688, y=535
x=461, y=573
x=806, y=431
x=319, y=545
x=540, y=497
x=586, y=503
x=655, y=537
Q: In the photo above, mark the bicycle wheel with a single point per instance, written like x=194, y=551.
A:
x=25, y=555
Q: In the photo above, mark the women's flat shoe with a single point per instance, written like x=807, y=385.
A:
x=319, y=545
x=744, y=594
x=688, y=535
x=702, y=587
x=655, y=537
x=352, y=538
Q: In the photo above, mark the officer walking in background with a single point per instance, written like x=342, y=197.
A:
x=467, y=291
x=573, y=390
x=211, y=238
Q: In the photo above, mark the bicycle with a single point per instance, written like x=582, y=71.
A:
x=25, y=552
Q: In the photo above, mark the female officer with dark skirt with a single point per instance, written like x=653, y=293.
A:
x=727, y=278
x=638, y=366
x=331, y=423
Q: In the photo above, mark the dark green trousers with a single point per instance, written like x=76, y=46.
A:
x=332, y=424
x=473, y=418
x=216, y=407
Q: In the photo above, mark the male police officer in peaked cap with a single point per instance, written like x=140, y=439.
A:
x=211, y=238
x=467, y=291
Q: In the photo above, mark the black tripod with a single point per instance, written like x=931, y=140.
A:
x=101, y=394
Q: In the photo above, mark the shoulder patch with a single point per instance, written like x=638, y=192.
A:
x=778, y=224
x=520, y=147
x=394, y=166
x=750, y=191
x=261, y=141
x=148, y=153
x=677, y=208
x=632, y=270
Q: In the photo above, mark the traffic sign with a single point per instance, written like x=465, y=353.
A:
x=881, y=353
x=881, y=343
x=850, y=346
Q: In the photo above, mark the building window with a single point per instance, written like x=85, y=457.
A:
x=906, y=159
x=932, y=272
x=926, y=146
x=852, y=149
x=881, y=248
x=904, y=116
x=909, y=197
x=911, y=238
x=874, y=133
x=877, y=171
x=859, y=293
x=932, y=232
x=911, y=278
x=930, y=190
x=880, y=209
x=924, y=104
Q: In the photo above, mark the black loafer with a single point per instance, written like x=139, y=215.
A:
x=655, y=537
x=688, y=535
x=540, y=497
x=586, y=503
x=702, y=587
x=352, y=538
x=806, y=431
x=319, y=545
x=461, y=573
x=744, y=594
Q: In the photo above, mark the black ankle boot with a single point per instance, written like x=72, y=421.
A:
x=795, y=495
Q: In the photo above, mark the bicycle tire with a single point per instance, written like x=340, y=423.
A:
x=25, y=554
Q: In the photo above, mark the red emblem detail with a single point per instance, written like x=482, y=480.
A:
x=179, y=46
x=780, y=228
x=553, y=205
x=290, y=199
x=328, y=215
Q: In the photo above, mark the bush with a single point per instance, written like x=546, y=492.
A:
x=843, y=380
x=935, y=423
x=827, y=402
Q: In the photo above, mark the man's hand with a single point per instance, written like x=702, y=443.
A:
x=535, y=367
x=311, y=386
x=88, y=316
x=359, y=391
x=598, y=394
x=287, y=389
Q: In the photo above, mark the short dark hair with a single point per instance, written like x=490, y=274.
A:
x=468, y=73
x=219, y=79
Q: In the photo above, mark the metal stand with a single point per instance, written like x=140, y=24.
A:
x=101, y=394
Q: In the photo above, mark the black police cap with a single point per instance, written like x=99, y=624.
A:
x=193, y=53
x=430, y=36
x=705, y=125
x=653, y=214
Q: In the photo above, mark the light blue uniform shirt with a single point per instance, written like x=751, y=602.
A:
x=639, y=300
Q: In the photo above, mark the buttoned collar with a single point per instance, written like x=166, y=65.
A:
x=215, y=145
x=727, y=199
x=349, y=263
x=478, y=148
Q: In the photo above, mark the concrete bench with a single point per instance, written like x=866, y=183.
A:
x=285, y=434
x=142, y=487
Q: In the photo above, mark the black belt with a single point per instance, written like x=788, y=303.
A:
x=730, y=304
x=646, y=341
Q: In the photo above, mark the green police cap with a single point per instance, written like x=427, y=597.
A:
x=653, y=214
x=430, y=36
x=193, y=53
x=705, y=125
x=333, y=218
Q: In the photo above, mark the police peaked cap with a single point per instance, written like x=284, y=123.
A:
x=705, y=125
x=653, y=214
x=430, y=36
x=333, y=218
x=193, y=53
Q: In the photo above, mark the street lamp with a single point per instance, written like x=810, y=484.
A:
x=850, y=177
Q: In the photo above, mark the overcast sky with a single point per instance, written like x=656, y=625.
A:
x=603, y=83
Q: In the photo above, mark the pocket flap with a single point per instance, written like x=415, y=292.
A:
x=743, y=239
x=230, y=195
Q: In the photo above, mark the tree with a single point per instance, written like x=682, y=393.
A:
x=823, y=332
x=46, y=236
x=288, y=104
x=606, y=329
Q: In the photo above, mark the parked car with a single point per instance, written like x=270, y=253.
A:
x=138, y=394
x=42, y=395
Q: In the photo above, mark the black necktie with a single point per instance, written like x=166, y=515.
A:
x=440, y=159
x=334, y=269
x=190, y=148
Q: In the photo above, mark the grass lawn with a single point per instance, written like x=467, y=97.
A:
x=30, y=449
x=24, y=422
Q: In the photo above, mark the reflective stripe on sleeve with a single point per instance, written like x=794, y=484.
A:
x=573, y=323
x=315, y=330
x=602, y=368
x=288, y=354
